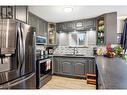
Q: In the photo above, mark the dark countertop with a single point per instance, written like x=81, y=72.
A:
x=79, y=56
x=113, y=72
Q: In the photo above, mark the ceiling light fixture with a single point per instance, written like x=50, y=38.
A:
x=68, y=9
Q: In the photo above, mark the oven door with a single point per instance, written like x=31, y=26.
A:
x=45, y=67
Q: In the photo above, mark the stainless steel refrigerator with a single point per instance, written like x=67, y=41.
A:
x=17, y=55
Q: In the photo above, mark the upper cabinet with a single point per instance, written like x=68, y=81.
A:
x=21, y=13
x=14, y=12
x=52, y=34
x=107, y=29
x=84, y=24
x=100, y=31
x=40, y=24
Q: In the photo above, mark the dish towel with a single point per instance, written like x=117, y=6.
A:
x=48, y=65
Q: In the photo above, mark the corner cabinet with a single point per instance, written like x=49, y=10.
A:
x=107, y=29
x=100, y=31
x=52, y=34
x=14, y=12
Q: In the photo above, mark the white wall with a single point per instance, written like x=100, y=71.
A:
x=120, y=23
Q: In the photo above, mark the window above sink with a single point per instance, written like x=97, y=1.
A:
x=77, y=38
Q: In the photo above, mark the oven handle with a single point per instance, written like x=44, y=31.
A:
x=44, y=60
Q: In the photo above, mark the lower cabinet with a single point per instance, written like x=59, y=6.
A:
x=56, y=65
x=74, y=66
x=79, y=66
x=91, y=66
x=66, y=67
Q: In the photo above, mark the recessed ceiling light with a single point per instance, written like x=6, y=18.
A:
x=68, y=9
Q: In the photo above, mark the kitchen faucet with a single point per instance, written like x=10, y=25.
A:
x=75, y=50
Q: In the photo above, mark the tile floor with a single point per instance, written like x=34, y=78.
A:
x=58, y=82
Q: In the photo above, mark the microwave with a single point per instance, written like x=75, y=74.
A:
x=41, y=40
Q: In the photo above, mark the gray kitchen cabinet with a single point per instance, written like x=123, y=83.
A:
x=84, y=24
x=111, y=28
x=43, y=27
x=79, y=68
x=66, y=66
x=89, y=23
x=107, y=31
x=33, y=21
x=91, y=66
x=91, y=37
x=58, y=26
x=21, y=13
x=79, y=25
x=40, y=24
x=63, y=40
x=56, y=65
x=52, y=34
x=14, y=12
x=70, y=26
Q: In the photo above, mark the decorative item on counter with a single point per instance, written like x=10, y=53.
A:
x=113, y=50
x=109, y=51
x=100, y=51
x=118, y=50
x=125, y=57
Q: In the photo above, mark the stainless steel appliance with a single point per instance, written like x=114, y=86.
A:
x=17, y=55
x=41, y=40
x=44, y=71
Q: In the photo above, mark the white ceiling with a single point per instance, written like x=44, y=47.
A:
x=56, y=13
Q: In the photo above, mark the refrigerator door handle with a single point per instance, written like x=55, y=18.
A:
x=20, y=50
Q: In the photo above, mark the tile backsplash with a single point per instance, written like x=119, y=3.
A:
x=67, y=50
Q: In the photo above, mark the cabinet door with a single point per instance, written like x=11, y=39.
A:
x=33, y=21
x=45, y=28
x=41, y=27
x=89, y=23
x=86, y=65
x=91, y=37
x=63, y=39
x=70, y=26
x=91, y=66
x=21, y=13
x=58, y=26
x=79, y=68
x=66, y=67
x=56, y=65
x=110, y=21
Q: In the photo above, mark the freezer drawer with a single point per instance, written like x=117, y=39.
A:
x=26, y=82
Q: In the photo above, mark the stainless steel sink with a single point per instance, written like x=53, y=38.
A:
x=79, y=55
x=74, y=55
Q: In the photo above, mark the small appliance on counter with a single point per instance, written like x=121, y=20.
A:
x=94, y=50
x=50, y=50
